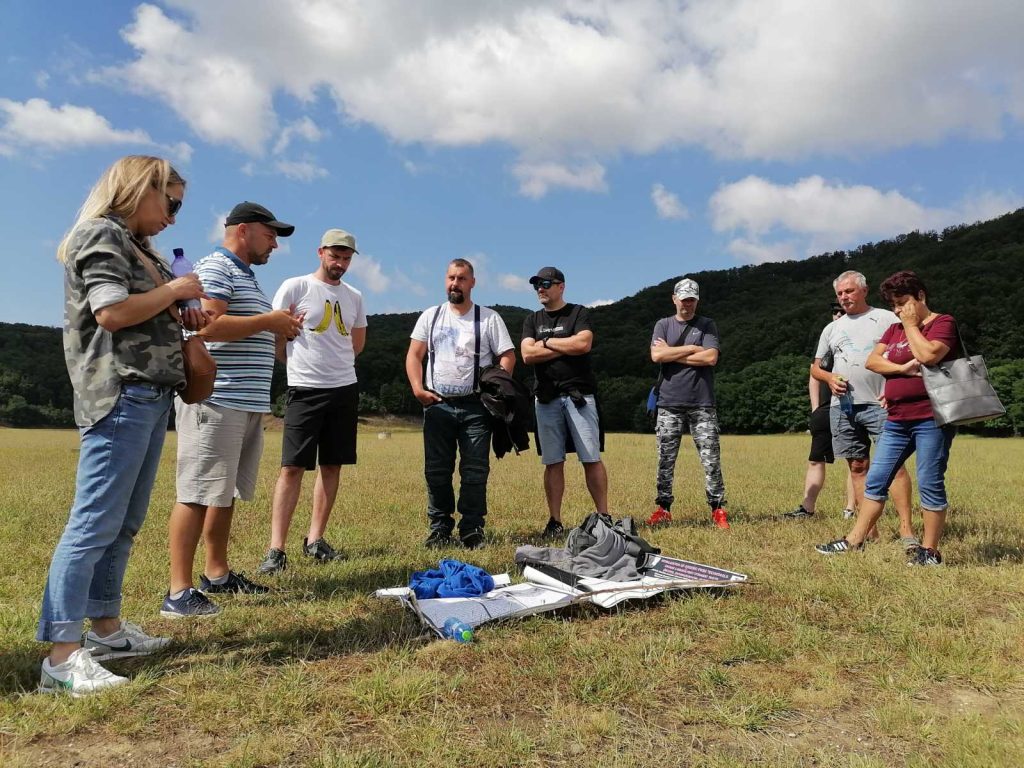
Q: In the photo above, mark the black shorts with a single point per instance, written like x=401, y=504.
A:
x=821, y=437
x=320, y=424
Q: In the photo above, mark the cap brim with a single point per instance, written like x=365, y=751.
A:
x=282, y=229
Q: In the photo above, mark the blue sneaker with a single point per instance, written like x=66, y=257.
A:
x=191, y=605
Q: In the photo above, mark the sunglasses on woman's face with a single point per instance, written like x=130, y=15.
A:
x=545, y=284
x=838, y=312
x=173, y=205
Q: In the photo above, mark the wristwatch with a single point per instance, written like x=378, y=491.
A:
x=544, y=341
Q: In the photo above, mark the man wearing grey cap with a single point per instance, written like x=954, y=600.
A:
x=323, y=397
x=220, y=440
x=686, y=347
x=556, y=342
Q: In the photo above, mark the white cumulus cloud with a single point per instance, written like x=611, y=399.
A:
x=813, y=215
x=600, y=302
x=667, y=204
x=562, y=79
x=366, y=272
x=537, y=179
x=512, y=282
x=38, y=123
x=300, y=170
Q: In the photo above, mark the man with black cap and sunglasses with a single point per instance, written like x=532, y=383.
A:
x=556, y=342
x=220, y=440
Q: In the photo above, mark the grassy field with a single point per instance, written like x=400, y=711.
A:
x=853, y=661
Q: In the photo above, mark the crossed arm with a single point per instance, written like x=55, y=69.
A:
x=686, y=354
x=534, y=351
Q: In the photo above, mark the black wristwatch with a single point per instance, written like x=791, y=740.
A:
x=544, y=341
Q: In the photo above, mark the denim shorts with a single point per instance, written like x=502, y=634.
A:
x=852, y=435
x=899, y=440
x=561, y=419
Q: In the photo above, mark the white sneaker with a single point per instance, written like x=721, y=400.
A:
x=848, y=514
x=80, y=675
x=128, y=641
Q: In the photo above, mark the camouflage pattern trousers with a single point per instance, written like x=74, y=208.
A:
x=703, y=426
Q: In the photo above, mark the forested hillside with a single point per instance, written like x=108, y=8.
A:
x=769, y=316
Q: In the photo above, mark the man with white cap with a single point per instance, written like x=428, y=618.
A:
x=323, y=397
x=686, y=347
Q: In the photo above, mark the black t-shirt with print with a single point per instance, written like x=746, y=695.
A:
x=568, y=372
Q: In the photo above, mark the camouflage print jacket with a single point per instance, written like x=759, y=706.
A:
x=102, y=269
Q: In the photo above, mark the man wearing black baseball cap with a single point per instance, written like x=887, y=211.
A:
x=556, y=342
x=250, y=213
x=220, y=440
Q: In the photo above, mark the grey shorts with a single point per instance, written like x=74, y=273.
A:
x=852, y=436
x=219, y=453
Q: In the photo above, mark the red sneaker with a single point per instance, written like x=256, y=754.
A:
x=660, y=517
x=720, y=518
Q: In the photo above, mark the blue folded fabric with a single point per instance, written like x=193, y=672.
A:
x=452, y=578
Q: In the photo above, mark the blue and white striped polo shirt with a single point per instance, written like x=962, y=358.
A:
x=244, y=367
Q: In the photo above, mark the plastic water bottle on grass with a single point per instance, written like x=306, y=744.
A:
x=457, y=630
x=179, y=268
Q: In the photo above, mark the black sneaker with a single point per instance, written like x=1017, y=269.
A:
x=438, y=540
x=798, y=514
x=236, y=583
x=275, y=561
x=553, y=528
x=838, y=547
x=473, y=539
x=321, y=551
x=926, y=556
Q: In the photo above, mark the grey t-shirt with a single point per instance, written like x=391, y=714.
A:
x=851, y=339
x=687, y=386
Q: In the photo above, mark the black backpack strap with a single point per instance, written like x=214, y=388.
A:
x=476, y=348
x=430, y=348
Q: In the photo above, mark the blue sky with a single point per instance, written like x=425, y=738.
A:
x=625, y=143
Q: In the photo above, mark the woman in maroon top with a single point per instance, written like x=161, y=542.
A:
x=922, y=337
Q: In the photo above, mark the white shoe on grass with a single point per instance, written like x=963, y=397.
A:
x=128, y=641
x=80, y=675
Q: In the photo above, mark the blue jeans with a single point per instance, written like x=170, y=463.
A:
x=463, y=423
x=899, y=440
x=117, y=465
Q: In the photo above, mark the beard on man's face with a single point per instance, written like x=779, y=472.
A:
x=456, y=296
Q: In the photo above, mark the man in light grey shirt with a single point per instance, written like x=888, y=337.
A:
x=850, y=340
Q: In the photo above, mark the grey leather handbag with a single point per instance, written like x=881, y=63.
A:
x=960, y=391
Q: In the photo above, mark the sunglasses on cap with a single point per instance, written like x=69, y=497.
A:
x=173, y=205
x=545, y=284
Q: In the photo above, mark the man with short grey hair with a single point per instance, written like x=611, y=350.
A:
x=686, y=347
x=321, y=416
x=856, y=414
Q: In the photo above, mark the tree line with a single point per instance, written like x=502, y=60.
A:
x=769, y=317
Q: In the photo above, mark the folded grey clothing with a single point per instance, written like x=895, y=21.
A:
x=598, y=548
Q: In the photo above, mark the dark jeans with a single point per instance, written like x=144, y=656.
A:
x=461, y=423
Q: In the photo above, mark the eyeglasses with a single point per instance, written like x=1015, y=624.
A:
x=173, y=205
x=545, y=284
x=839, y=312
